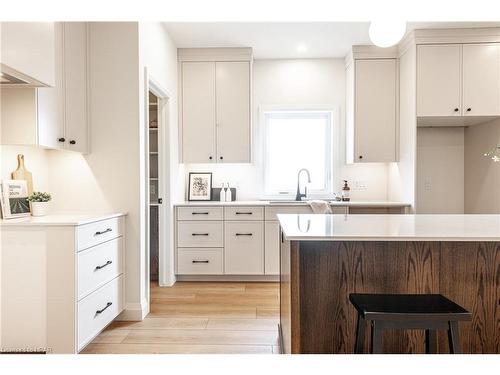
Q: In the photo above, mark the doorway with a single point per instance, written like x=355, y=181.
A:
x=158, y=208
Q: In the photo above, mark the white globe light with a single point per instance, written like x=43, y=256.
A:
x=386, y=33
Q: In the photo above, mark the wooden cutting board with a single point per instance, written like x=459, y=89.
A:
x=21, y=173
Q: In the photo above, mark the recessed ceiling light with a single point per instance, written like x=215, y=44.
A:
x=301, y=48
x=386, y=33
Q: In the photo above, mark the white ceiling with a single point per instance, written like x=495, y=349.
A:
x=279, y=40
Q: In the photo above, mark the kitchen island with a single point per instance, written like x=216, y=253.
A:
x=324, y=258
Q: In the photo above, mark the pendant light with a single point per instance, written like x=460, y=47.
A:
x=386, y=33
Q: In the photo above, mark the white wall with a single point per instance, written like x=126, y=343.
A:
x=482, y=175
x=303, y=82
x=440, y=170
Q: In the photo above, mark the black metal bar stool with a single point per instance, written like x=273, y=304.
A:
x=430, y=312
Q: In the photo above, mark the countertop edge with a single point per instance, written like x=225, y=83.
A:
x=59, y=220
x=278, y=204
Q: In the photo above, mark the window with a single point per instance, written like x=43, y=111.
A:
x=295, y=140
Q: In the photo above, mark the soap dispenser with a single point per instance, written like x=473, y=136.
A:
x=229, y=195
x=346, y=192
x=222, y=197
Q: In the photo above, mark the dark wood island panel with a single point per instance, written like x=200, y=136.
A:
x=318, y=276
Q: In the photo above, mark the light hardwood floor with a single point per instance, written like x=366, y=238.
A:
x=200, y=317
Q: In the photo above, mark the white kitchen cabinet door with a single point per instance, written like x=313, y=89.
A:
x=481, y=79
x=75, y=85
x=198, y=112
x=244, y=248
x=233, y=111
x=375, y=92
x=272, y=248
x=439, y=80
x=50, y=104
x=28, y=48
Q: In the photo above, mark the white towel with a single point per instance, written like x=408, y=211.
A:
x=320, y=207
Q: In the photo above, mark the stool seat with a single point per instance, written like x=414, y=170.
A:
x=430, y=312
x=407, y=307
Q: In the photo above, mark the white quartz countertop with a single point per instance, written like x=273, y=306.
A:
x=391, y=227
x=293, y=203
x=59, y=219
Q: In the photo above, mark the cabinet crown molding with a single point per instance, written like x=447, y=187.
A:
x=359, y=52
x=215, y=54
x=449, y=36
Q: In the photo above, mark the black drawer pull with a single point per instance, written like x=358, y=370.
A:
x=200, y=234
x=104, y=308
x=199, y=213
x=244, y=234
x=104, y=231
x=104, y=265
x=201, y=261
x=244, y=213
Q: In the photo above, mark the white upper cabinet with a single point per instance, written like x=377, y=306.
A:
x=215, y=105
x=438, y=75
x=458, y=80
x=27, y=52
x=75, y=86
x=58, y=115
x=233, y=111
x=198, y=112
x=371, y=107
x=481, y=79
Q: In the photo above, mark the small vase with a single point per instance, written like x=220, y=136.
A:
x=39, y=208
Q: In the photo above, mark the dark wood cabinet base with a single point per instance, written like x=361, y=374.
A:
x=318, y=276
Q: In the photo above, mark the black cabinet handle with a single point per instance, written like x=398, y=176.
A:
x=104, y=308
x=200, y=234
x=456, y=109
x=210, y=157
x=104, y=231
x=469, y=109
x=72, y=142
x=200, y=261
x=104, y=265
x=61, y=139
x=244, y=234
x=244, y=213
x=199, y=213
x=361, y=156
x=221, y=158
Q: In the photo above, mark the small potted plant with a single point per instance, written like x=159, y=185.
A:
x=39, y=203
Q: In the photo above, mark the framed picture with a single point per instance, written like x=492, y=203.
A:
x=200, y=186
x=14, y=199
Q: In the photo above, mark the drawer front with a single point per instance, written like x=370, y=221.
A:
x=98, y=309
x=272, y=212
x=199, y=261
x=244, y=249
x=95, y=233
x=199, y=213
x=244, y=213
x=199, y=234
x=99, y=265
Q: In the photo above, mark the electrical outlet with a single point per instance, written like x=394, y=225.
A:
x=359, y=185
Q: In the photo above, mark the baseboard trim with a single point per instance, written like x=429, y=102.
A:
x=229, y=278
x=134, y=312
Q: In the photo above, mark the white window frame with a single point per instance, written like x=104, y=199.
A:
x=332, y=158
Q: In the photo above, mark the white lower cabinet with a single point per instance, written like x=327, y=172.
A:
x=71, y=276
x=200, y=261
x=98, y=309
x=272, y=248
x=244, y=248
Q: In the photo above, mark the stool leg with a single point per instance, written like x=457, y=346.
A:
x=430, y=341
x=454, y=338
x=360, y=335
x=376, y=345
